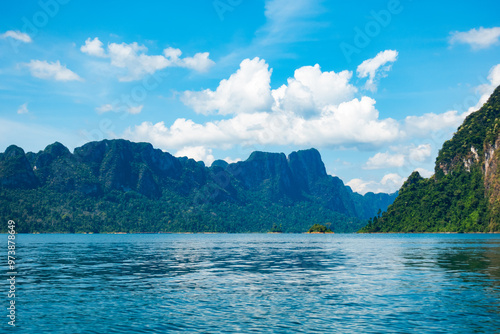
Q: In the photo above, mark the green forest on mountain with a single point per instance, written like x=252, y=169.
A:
x=464, y=193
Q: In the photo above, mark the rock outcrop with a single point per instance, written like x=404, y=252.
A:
x=464, y=193
x=109, y=168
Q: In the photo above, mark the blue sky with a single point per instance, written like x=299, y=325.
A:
x=376, y=86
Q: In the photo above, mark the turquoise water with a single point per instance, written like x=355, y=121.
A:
x=256, y=283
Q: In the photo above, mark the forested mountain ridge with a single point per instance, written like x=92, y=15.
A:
x=121, y=186
x=464, y=193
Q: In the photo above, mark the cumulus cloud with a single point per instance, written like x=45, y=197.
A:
x=385, y=160
x=481, y=38
x=137, y=64
x=17, y=35
x=402, y=156
x=420, y=153
x=55, y=71
x=351, y=123
x=23, y=109
x=246, y=91
x=311, y=90
x=93, y=48
x=132, y=58
x=200, y=62
x=314, y=108
x=376, y=67
x=388, y=184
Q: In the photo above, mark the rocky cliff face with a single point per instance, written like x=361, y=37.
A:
x=301, y=176
x=492, y=182
x=98, y=169
x=475, y=148
x=307, y=167
x=267, y=171
x=464, y=193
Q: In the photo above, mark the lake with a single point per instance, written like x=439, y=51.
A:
x=256, y=283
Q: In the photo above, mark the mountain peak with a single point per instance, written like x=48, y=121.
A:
x=13, y=151
x=15, y=169
x=307, y=166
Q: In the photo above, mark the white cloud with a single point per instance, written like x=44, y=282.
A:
x=431, y=122
x=133, y=110
x=351, y=123
x=420, y=153
x=403, y=156
x=198, y=153
x=200, y=62
x=132, y=58
x=55, y=71
x=481, y=38
x=93, y=48
x=494, y=77
x=246, y=91
x=137, y=64
x=311, y=90
x=388, y=184
x=376, y=67
x=17, y=35
x=485, y=90
x=172, y=53
x=385, y=160
x=327, y=115
x=23, y=109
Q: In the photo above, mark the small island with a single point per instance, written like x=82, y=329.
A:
x=276, y=228
x=318, y=228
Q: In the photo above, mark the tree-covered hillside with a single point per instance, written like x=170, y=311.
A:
x=464, y=193
x=120, y=186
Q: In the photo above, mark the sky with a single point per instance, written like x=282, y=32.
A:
x=375, y=86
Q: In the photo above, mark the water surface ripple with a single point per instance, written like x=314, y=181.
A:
x=257, y=283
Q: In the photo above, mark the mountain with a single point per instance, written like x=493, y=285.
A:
x=464, y=193
x=121, y=186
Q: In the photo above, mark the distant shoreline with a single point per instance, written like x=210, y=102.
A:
x=122, y=233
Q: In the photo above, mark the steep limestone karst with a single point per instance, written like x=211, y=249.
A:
x=464, y=193
x=118, y=185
